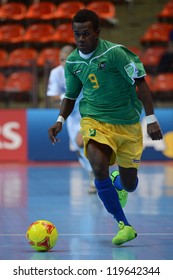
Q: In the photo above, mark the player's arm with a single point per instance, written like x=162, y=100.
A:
x=144, y=95
x=66, y=108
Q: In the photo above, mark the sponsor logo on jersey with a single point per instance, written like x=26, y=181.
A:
x=136, y=160
x=77, y=71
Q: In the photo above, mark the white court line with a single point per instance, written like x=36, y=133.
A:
x=90, y=234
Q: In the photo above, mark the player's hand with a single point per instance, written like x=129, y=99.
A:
x=53, y=131
x=154, y=131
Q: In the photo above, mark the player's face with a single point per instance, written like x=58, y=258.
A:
x=85, y=36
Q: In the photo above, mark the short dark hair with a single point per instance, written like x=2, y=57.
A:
x=87, y=15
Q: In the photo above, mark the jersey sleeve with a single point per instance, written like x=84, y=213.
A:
x=129, y=64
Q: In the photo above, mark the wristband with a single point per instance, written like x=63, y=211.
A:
x=151, y=119
x=61, y=119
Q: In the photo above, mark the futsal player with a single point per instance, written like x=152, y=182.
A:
x=109, y=75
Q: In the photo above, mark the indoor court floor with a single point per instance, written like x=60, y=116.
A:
x=58, y=193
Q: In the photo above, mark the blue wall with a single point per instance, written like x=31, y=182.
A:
x=41, y=149
x=39, y=146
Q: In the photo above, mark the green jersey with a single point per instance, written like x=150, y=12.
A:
x=107, y=79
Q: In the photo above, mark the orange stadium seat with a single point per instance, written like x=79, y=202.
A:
x=22, y=57
x=39, y=32
x=3, y=58
x=15, y=11
x=163, y=87
x=104, y=9
x=151, y=57
x=164, y=82
x=64, y=34
x=48, y=56
x=157, y=33
x=166, y=13
x=68, y=9
x=11, y=33
x=19, y=82
x=41, y=11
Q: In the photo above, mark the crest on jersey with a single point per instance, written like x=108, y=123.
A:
x=92, y=132
x=102, y=65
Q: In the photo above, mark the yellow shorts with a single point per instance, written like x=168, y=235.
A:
x=126, y=141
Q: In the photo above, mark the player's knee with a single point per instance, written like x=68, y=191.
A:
x=130, y=186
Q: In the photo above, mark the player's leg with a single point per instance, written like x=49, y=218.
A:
x=128, y=178
x=99, y=157
x=100, y=148
x=128, y=158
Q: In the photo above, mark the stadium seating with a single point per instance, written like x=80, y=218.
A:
x=39, y=33
x=11, y=33
x=156, y=34
x=163, y=87
x=151, y=58
x=63, y=34
x=164, y=82
x=12, y=11
x=105, y=9
x=22, y=57
x=19, y=42
x=166, y=14
x=41, y=11
x=48, y=56
x=19, y=81
x=67, y=9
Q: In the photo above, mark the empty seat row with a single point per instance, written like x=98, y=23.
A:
x=151, y=58
x=36, y=33
x=156, y=34
x=28, y=57
x=161, y=86
x=49, y=11
x=22, y=82
x=16, y=82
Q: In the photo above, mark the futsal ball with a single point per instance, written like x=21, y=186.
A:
x=42, y=235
